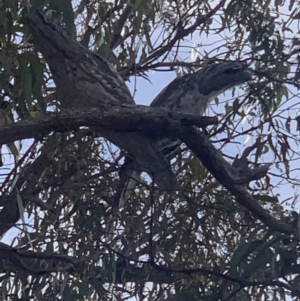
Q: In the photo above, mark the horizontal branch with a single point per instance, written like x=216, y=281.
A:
x=156, y=122
x=29, y=262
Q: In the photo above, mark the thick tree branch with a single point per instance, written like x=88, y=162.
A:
x=230, y=177
x=152, y=121
x=157, y=122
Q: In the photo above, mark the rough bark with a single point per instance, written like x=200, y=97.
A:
x=152, y=122
x=233, y=178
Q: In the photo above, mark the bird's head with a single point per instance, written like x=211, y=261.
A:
x=192, y=93
x=217, y=78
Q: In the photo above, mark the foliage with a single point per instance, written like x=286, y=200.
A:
x=194, y=244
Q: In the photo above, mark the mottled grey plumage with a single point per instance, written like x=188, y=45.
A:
x=84, y=79
x=191, y=93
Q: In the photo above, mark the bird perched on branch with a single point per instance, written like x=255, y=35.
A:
x=84, y=79
x=191, y=93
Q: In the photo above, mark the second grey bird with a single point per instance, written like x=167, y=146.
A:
x=191, y=93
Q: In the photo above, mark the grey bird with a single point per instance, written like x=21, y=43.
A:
x=85, y=80
x=191, y=93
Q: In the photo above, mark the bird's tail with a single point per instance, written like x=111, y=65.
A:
x=132, y=168
x=147, y=157
x=129, y=177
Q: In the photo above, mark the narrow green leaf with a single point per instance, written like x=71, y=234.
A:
x=13, y=149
